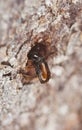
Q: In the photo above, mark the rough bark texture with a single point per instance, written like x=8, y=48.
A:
x=57, y=104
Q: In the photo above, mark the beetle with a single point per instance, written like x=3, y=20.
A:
x=37, y=55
